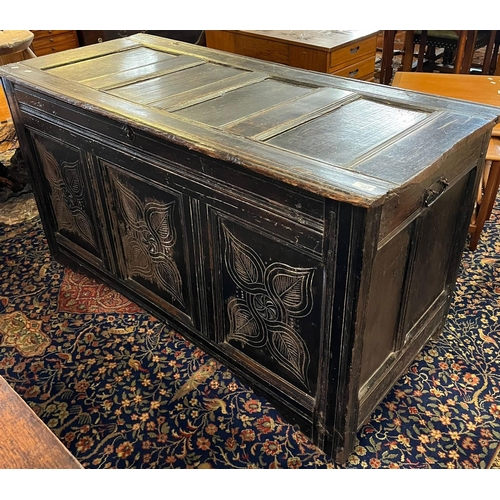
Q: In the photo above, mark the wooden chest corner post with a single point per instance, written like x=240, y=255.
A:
x=35, y=175
x=283, y=217
x=350, y=236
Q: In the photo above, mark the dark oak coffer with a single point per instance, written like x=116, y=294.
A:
x=305, y=229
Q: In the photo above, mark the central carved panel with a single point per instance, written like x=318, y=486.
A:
x=271, y=303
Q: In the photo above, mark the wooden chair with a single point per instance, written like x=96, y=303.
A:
x=457, y=50
x=488, y=190
x=15, y=46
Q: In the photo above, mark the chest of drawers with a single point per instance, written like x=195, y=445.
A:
x=281, y=219
x=49, y=41
x=348, y=53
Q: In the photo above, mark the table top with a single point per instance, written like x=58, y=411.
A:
x=483, y=89
x=25, y=441
x=320, y=39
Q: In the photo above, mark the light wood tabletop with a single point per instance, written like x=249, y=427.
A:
x=483, y=89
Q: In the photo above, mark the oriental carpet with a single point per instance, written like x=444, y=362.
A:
x=122, y=390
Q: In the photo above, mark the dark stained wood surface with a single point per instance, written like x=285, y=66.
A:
x=25, y=441
x=362, y=181
x=280, y=219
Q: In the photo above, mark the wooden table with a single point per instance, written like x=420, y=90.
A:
x=477, y=88
x=25, y=441
x=348, y=53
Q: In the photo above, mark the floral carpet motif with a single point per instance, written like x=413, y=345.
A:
x=82, y=294
x=121, y=390
x=17, y=330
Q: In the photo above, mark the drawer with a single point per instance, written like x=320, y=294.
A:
x=63, y=40
x=355, y=51
x=362, y=70
x=259, y=48
x=43, y=33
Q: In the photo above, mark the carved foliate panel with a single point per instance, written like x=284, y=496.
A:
x=68, y=191
x=271, y=295
x=150, y=222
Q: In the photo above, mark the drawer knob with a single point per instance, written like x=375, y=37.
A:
x=353, y=50
x=353, y=73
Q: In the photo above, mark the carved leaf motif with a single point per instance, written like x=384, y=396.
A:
x=72, y=180
x=289, y=350
x=83, y=226
x=169, y=278
x=291, y=286
x=130, y=203
x=159, y=217
x=243, y=326
x=150, y=235
x=67, y=195
x=51, y=167
x=137, y=256
x=242, y=263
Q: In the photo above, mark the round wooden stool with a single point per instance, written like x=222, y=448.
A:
x=15, y=46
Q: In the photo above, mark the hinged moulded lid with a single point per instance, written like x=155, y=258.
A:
x=340, y=138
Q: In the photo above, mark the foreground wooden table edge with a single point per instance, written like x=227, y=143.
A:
x=25, y=441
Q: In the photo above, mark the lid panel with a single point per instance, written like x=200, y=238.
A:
x=242, y=102
x=345, y=134
x=109, y=64
x=275, y=120
x=341, y=138
x=132, y=75
x=209, y=91
x=158, y=88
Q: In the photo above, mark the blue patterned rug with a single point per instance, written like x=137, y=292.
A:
x=121, y=390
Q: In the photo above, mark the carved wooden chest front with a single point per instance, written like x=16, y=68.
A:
x=304, y=229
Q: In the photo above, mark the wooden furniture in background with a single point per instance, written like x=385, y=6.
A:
x=477, y=88
x=15, y=46
x=349, y=53
x=50, y=41
x=386, y=70
x=4, y=107
x=459, y=46
x=466, y=43
x=283, y=218
x=89, y=37
x=25, y=441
